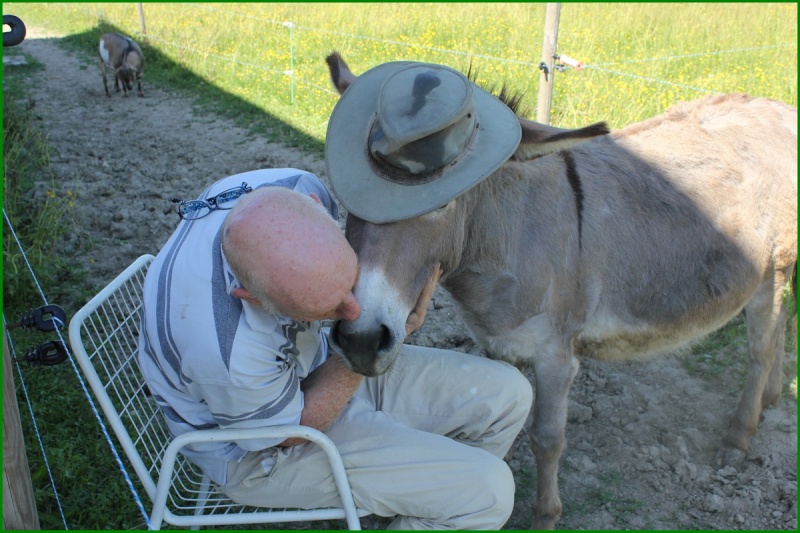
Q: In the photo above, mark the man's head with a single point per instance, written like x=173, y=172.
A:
x=290, y=256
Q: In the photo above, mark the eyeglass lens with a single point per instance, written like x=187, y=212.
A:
x=227, y=197
x=193, y=209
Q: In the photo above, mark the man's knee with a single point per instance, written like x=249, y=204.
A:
x=515, y=387
x=525, y=391
x=498, y=483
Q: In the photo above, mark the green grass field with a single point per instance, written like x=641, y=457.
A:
x=640, y=59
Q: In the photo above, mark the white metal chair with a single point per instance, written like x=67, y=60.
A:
x=104, y=337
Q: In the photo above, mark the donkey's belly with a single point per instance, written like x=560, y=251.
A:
x=536, y=338
x=627, y=342
x=604, y=336
x=625, y=346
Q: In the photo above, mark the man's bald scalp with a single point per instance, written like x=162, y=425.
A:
x=281, y=244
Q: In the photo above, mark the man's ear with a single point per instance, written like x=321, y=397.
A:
x=315, y=197
x=245, y=295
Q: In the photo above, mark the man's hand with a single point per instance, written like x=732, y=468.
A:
x=417, y=315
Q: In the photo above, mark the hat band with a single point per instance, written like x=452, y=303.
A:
x=418, y=161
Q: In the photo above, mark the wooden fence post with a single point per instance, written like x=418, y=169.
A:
x=141, y=18
x=552, y=15
x=19, y=505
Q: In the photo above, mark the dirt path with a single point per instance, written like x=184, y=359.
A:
x=641, y=436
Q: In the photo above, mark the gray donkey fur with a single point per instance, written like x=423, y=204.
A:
x=624, y=245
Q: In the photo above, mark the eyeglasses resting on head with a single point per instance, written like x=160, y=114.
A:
x=194, y=209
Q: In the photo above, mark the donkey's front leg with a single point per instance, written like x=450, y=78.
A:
x=555, y=368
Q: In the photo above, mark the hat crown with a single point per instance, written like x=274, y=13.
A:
x=421, y=100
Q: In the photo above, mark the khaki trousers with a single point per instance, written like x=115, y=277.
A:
x=424, y=442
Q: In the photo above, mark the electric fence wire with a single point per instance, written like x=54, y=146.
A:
x=36, y=429
x=598, y=67
x=114, y=451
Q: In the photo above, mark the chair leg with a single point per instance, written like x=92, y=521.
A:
x=203, y=498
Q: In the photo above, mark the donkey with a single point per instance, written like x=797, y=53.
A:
x=627, y=244
x=123, y=56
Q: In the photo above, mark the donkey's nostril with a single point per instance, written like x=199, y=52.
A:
x=385, y=342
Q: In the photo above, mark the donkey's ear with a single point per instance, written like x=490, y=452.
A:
x=541, y=139
x=340, y=72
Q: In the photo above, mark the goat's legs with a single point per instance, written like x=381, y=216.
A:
x=105, y=78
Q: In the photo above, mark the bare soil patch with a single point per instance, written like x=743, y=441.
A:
x=641, y=436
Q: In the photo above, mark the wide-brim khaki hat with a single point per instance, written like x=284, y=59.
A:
x=405, y=138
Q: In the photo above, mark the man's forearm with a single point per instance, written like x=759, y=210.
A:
x=326, y=391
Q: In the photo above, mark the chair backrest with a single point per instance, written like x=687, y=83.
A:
x=104, y=336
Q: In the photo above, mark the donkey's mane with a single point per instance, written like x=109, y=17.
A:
x=513, y=99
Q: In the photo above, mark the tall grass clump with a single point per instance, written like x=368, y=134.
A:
x=38, y=215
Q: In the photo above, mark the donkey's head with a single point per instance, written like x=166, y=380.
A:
x=403, y=152
x=397, y=262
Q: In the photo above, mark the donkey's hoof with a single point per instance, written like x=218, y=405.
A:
x=509, y=455
x=544, y=523
x=730, y=456
x=769, y=399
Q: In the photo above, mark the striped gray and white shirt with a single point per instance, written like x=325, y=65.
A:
x=212, y=360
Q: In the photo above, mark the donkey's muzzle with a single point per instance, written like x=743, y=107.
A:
x=368, y=352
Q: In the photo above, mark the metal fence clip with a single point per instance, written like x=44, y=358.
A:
x=48, y=353
x=42, y=318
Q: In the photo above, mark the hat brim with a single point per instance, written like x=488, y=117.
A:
x=368, y=196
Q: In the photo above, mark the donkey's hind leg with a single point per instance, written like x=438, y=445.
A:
x=774, y=385
x=766, y=324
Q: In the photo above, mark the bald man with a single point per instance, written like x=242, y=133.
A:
x=232, y=337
